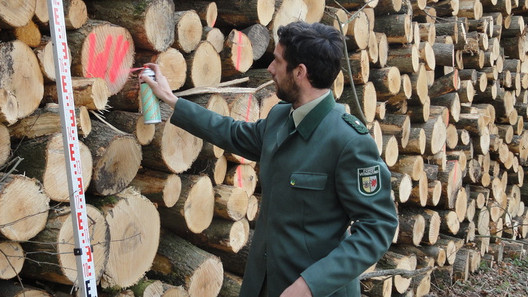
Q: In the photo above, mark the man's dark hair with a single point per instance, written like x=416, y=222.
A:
x=319, y=47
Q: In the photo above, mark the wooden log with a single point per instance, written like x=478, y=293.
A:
x=402, y=185
x=420, y=86
x=14, y=289
x=287, y=11
x=444, y=54
x=386, y=80
x=445, y=84
x=383, y=49
x=237, y=55
x=195, y=206
x=359, y=33
x=134, y=226
x=92, y=93
x=411, y=227
x=91, y=47
x=413, y=165
x=204, y=66
x=20, y=70
x=206, y=10
x=166, y=155
x=178, y=262
x=216, y=38
x=243, y=176
x=390, y=150
x=5, y=145
x=259, y=37
x=218, y=104
x=171, y=62
x=253, y=209
x=435, y=132
x=11, y=259
x=391, y=260
x=359, y=61
x=8, y=107
x=397, y=27
x=398, y=125
x=116, y=159
x=449, y=221
x=146, y=288
x=461, y=265
x=132, y=123
x=43, y=159
x=435, y=192
x=230, y=202
x=50, y=253
x=366, y=96
x=231, y=285
x=216, y=169
x=161, y=188
x=16, y=14
x=226, y=235
x=24, y=207
x=46, y=121
x=377, y=286
x=243, y=14
x=406, y=58
x=335, y=17
x=416, y=144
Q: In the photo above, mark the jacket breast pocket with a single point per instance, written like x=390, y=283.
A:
x=308, y=180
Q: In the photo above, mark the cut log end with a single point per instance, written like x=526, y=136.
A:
x=207, y=279
x=24, y=208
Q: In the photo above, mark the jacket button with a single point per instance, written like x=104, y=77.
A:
x=292, y=182
x=265, y=254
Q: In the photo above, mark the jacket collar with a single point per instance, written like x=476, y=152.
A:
x=315, y=116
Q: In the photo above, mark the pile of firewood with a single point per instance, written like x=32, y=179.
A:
x=442, y=86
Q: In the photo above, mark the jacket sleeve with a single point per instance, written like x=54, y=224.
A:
x=241, y=138
x=373, y=215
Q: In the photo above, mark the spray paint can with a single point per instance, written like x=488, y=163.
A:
x=150, y=106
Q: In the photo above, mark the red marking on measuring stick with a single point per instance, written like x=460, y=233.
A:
x=237, y=67
x=85, y=261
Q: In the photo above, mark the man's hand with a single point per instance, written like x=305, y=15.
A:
x=160, y=86
x=298, y=289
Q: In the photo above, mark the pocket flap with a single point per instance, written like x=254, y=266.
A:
x=308, y=180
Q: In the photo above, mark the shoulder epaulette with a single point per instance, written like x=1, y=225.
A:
x=355, y=123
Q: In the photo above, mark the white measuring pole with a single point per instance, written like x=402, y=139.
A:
x=85, y=263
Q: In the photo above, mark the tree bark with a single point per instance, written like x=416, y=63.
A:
x=149, y=22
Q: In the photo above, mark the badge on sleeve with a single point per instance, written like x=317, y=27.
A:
x=369, y=182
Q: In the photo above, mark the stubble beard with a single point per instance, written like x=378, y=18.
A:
x=289, y=92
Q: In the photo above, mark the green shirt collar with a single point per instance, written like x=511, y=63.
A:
x=312, y=114
x=300, y=113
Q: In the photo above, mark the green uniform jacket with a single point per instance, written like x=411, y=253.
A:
x=315, y=182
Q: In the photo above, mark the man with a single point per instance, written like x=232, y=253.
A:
x=319, y=171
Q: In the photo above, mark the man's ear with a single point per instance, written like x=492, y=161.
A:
x=301, y=71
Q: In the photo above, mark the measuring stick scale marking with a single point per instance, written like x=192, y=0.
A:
x=86, y=279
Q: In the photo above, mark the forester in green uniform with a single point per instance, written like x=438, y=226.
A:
x=320, y=173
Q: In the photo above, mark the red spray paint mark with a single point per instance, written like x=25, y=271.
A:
x=98, y=62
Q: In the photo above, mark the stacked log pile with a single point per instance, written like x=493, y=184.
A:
x=442, y=85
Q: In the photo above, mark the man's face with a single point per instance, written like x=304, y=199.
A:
x=287, y=88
